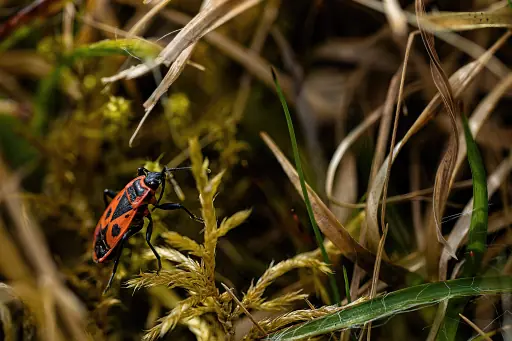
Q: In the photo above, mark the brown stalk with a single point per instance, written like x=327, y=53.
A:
x=256, y=324
x=376, y=270
x=475, y=327
x=383, y=178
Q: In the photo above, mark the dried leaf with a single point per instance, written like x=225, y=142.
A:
x=339, y=236
x=443, y=181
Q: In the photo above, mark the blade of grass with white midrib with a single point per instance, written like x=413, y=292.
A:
x=395, y=302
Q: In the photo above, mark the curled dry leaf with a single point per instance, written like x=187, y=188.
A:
x=339, y=236
x=444, y=173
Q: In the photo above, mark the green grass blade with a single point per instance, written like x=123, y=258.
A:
x=319, y=239
x=477, y=243
x=347, y=285
x=136, y=48
x=394, y=303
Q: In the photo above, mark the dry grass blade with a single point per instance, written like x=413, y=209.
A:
x=174, y=71
x=444, y=173
x=480, y=116
x=414, y=196
x=240, y=304
x=267, y=19
x=460, y=80
x=205, y=21
x=379, y=184
x=179, y=50
x=332, y=228
x=253, y=63
x=396, y=17
x=469, y=47
x=387, y=116
x=349, y=140
x=376, y=270
x=7, y=296
x=147, y=17
x=475, y=327
x=461, y=21
x=67, y=303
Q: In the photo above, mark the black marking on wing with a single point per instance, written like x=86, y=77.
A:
x=138, y=188
x=100, y=246
x=116, y=230
x=109, y=213
x=123, y=207
x=131, y=193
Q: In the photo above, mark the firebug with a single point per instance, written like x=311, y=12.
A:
x=124, y=216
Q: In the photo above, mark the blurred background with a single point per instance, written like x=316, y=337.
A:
x=65, y=133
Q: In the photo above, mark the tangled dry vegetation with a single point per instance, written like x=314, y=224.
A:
x=402, y=116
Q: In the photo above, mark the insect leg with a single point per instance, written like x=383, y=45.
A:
x=108, y=193
x=176, y=206
x=116, y=261
x=149, y=232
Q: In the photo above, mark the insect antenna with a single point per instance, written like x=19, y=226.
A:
x=169, y=170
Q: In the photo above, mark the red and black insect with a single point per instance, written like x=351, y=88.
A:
x=124, y=216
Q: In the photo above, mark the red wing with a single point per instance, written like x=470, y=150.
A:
x=117, y=218
x=113, y=224
x=118, y=227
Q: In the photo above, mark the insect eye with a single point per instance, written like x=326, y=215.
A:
x=142, y=171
